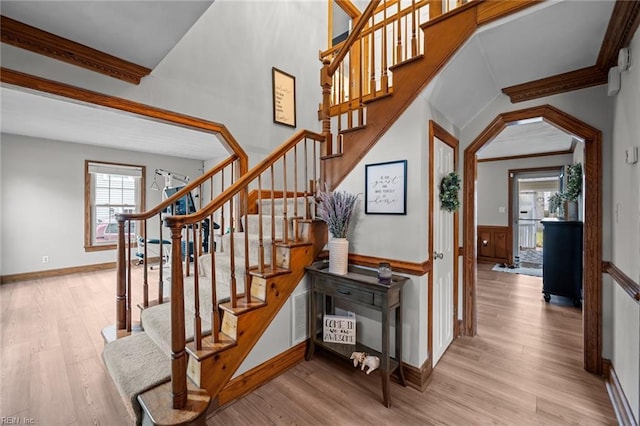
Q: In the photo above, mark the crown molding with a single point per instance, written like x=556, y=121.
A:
x=44, y=43
x=566, y=82
x=623, y=24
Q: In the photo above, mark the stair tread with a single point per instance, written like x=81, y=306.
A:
x=136, y=364
x=158, y=404
x=268, y=271
x=209, y=348
x=243, y=306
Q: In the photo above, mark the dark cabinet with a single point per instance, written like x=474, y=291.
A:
x=562, y=260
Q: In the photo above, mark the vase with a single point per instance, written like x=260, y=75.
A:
x=571, y=211
x=339, y=256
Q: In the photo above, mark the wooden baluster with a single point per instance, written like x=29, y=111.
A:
x=372, y=81
x=247, y=277
x=260, y=236
x=384, y=82
x=307, y=211
x=187, y=253
x=399, y=30
x=360, y=86
x=414, y=39
x=121, y=280
x=145, y=261
x=273, y=222
x=215, y=318
x=340, y=76
x=349, y=92
x=197, y=322
x=285, y=219
x=232, y=256
x=161, y=271
x=129, y=277
x=325, y=83
x=222, y=210
x=295, y=192
x=178, y=353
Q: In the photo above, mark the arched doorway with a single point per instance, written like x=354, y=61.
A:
x=592, y=274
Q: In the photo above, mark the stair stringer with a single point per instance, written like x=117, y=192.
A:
x=441, y=40
x=215, y=372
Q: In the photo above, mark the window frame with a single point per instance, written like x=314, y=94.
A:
x=89, y=205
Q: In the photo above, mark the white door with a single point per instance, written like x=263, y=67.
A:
x=443, y=256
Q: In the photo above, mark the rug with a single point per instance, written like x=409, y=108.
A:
x=522, y=271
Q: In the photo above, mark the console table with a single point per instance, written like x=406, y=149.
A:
x=358, y=286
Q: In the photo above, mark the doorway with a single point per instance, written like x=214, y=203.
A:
x=592, y=239
x=529, y=194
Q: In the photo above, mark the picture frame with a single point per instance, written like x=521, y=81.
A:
x=284, y=97
x=386, y=188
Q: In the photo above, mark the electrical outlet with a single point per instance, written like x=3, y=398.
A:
x=45, y=259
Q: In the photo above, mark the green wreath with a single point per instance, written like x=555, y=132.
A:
x=449, y=187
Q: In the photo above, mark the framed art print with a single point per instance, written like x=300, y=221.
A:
x=386, y=188
x=284, y=98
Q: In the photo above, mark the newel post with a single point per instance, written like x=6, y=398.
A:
x=178, y=353
x=121, y=279
x=325, y=83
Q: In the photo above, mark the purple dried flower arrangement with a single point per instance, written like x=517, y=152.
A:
x=335, y=208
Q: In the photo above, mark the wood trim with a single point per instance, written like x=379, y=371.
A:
x=8, y=76
x=437, y=131
x=401, y=266
x=491, y=10
x=44, y=43
x=257, y=376
x=349, y=8
x=525, y=156
x=619, y=400
x=560, y=83
x=630, y=287
x=27, y=276
x=622, y=26
x=418, y=378
x=592, y=276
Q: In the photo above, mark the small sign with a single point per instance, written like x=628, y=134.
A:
x=337, y=329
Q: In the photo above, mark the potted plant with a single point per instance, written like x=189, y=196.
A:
x=573, y=190
x=566, y=203
x=336, y=208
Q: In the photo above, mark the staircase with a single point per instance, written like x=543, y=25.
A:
x=187, y=350
x=376, y=73
x=221, y=301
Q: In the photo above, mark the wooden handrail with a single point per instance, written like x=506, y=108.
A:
x=243, y=182
x=353, y=36
x=630, y=287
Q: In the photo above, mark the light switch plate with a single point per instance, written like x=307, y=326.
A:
x=631, y=155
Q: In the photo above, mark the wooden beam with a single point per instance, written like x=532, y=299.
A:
x=623, y=24
x=560, y=83
x=44, y=43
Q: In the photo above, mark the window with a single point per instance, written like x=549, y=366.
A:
x=110, y=189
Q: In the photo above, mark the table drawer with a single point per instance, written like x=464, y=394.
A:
x=345, y=292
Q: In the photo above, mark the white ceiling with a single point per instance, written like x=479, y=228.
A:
x=546, y=39
x=29, y=114
x=142, y=32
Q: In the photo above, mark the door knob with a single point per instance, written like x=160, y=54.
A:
x=437, y=255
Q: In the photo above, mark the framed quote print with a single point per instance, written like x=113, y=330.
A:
x=386, y=188
x=284, y=98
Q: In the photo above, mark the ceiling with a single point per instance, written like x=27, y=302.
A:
x=546, y=39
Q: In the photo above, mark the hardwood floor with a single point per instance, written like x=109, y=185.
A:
x=524, y=367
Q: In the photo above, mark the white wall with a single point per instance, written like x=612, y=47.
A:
x=625, y=202
x=42, y=184
x=492, y=185
x=221, y=69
